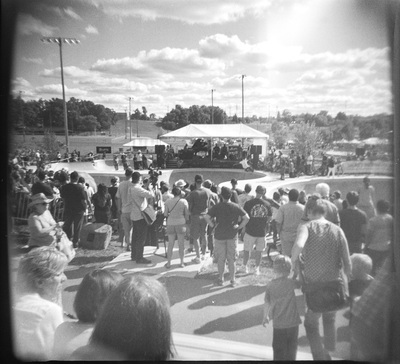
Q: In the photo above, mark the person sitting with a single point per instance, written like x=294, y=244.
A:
x=92, y=293
x=37, y=310
x=134, y=324
x=361, y=269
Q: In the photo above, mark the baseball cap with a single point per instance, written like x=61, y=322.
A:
x=198, y=178
x=261, y=189
x=226, y=192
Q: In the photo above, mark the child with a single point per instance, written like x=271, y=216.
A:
x=361, y=268
x=280, y=306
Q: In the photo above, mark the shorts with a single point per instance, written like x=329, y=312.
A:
x=198, y=226
x=176, y=229
x=249, y=242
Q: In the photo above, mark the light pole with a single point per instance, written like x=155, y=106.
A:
x=130, y=120
x=22, y=113
x=212, y=105
x=243, y=76
x=60, y=41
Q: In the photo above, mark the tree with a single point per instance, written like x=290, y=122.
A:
x=280, y=134
x=51, y=145
x=136, y=115
x=144, y=115
x=286, y=116
x=307, y=137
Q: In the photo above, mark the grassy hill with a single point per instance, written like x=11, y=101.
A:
x=146, y=128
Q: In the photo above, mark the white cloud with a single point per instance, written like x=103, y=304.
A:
x=188, y=11
x=32, y=60
x=161, y=63
x=55, y=90
x=90, y=29
x=28, y=25
x=71, y=13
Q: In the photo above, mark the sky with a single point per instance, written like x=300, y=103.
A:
x=299, y=55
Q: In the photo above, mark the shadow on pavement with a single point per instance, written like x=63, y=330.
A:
x=228, y=298
x=242, y=320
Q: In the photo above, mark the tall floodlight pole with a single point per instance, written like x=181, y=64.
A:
x=243, y=76
x=212, y=105
x=60, y=41
x=130, y=120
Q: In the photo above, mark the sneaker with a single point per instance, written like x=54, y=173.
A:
x=219, y=282
x=233, y=284
x=196, y=260
x=257, y=271
x=189, y=250
x=246, y=269
x=143, y=261
x=182, y=265
x=167, y=265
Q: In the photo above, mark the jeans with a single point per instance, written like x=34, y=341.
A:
x=76, y=219
x=225, y=250
x=311, y=324
x=138, y=239
x=127, y=227
x=284, y=343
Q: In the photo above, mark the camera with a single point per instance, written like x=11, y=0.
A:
x=153, y=175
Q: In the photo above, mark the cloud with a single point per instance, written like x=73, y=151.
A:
x=28, y=25
x=71, y=13
x=187, y=11
x=55, y=90
x=32, y=60
x=90, y=29
x=161, y=63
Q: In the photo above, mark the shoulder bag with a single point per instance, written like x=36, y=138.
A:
x=148, y=214
x=324, y=296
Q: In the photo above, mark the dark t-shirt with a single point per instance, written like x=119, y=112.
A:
x=74, y=197
x=227, y=215
x=199, y=201
x=259, y=212
x=41, y=187
x=351, y=222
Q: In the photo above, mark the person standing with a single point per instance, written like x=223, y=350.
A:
x=42, y=186
x=227, y=215
x=367, y=198
x=309, y=164
x=260, y=213
x=280, y=306
x=331, y=167
x=354, y=223
x=102, y=203
x=210, y=231
x=124, y=206
x=379, y=235
x=137, y=197
x=288, y=218
x=199, y=202
x=324, y=257
x=74, y=197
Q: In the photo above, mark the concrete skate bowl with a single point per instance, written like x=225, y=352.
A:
x=103, y=170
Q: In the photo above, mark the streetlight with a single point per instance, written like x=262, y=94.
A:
x=130, y=120
x=212, y=105
x=243, y=76
x=60, y=41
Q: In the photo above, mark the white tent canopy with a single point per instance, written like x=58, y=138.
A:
x=144, y=142
x=215, y=131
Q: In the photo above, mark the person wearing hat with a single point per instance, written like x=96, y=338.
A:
x=227, y=216
x=42, y=226
x=199, y=201
x=259, y=212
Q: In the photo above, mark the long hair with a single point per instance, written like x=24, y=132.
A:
x=38, y=265
x=102, y=194
x=135, y=321
x=93, y=291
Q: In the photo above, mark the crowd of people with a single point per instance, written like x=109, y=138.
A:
x=320, y=237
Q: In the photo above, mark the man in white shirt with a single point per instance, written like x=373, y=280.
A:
x=124, y=207
x=138, y=196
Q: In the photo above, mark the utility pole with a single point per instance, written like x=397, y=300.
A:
x=130, y=120
x=212, y=105
x=243, y=76
x=126, y=123
x=22, y=113
x=60, y=41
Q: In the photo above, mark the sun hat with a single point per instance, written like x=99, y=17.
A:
x=38, y=199
x=180, y=183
